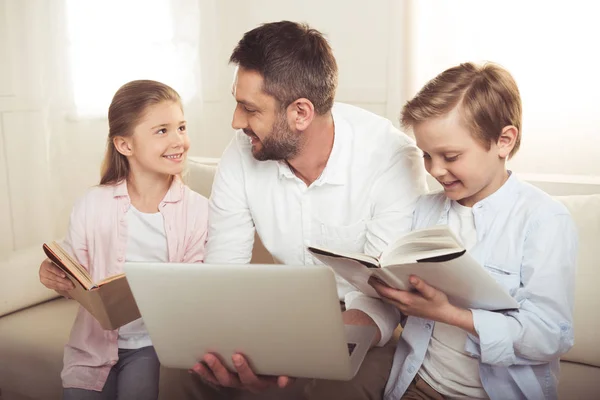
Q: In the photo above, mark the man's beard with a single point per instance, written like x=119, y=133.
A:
x=281, y=144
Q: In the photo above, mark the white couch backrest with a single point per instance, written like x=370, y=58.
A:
x=20, y=285
x=585, y=211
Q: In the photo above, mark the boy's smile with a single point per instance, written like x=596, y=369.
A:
x=459, y=162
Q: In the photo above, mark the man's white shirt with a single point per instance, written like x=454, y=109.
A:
x=363, y=200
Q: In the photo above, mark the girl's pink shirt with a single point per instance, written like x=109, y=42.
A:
x=97, y=238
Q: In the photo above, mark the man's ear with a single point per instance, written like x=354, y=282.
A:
x=123, y=145
x=507, y=140
x=301, y=114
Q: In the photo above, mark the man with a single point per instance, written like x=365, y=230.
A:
x=303, y=171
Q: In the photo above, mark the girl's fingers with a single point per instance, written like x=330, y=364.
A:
x=56, y=283
x=53, y=269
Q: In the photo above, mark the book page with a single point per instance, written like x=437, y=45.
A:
x=353, y=271
x=424, y=243
x=368, y=261
x=466, y=283
x=64, y=261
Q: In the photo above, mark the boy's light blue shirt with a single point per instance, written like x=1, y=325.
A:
x=528, y=242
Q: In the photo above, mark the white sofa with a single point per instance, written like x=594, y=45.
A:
x=35, y=324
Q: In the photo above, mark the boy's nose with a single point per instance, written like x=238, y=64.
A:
x=437, y=170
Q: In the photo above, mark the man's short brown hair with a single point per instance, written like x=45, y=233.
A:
x=487, y=96
x=294, y=60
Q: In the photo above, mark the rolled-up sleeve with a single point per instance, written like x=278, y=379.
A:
x=230, y=223
x=542, y=329
x=395, y=195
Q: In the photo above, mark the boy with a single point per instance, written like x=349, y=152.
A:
x=467, y=122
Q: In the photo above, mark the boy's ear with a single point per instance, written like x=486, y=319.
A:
x=123, y=145
x=506, y=141
x=300, y=114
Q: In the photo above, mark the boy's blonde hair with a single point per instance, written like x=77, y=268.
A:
x=487, y=96
x=128, y=107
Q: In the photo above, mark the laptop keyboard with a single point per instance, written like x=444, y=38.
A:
x=351, y=347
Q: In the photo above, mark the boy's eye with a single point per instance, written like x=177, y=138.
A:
x=248, y=110
x=182, y=128
x=426, y=156
x=451, y=159
x=162, y=131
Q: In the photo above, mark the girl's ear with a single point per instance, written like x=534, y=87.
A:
x=123, y=145
x=506, y=141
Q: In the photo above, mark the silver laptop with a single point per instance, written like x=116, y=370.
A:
x=285, y=319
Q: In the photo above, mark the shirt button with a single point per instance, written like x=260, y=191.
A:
x=411, y=369
x=428, y=325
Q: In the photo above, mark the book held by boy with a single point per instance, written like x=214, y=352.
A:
x=433, y=254
x=110, y=301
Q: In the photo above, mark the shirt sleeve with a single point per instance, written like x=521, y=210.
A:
x=230, y=226
x=542, y=329
x=75, y=242
x=395, y=195
x=196, y=247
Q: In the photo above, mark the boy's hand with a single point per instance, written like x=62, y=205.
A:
x=427, y=302
x=54, y=278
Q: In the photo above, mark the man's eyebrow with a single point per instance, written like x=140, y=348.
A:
x=247, y=103
x=243, y=102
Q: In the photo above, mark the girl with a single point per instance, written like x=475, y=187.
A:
x=141, y=211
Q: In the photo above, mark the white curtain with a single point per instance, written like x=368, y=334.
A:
x=550, y=47
x=62, y=62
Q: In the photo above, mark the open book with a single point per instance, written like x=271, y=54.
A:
x=433, y=254
x=110, y=301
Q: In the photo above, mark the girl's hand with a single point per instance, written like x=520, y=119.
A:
x=427, y=302
x=54, y=278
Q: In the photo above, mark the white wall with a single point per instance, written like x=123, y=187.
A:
x=47, y=157
x=361, y=34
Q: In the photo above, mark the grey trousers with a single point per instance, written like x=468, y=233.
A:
x=134, y=376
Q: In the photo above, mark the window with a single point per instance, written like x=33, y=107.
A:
x=550, y=49
x=112, y=42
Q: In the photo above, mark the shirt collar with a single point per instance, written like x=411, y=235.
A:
x=174, y=194
x=504, y=196
x=336, y=169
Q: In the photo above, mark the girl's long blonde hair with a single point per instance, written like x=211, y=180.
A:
x=127, y=108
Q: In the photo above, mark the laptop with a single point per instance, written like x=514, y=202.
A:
x=285, y=319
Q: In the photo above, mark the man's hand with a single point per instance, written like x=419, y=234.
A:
x=54, y=278
x=427, y=302
x=212, y=370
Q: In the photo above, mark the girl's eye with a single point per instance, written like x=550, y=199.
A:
x=162, y=131
x=451, y=159
x=426, y=156
x=182, y=128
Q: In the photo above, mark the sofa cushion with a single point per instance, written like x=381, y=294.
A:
x=200, y=174
x=31, y=348
x=20, y=284
x=585, y=210
x=578, y=381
